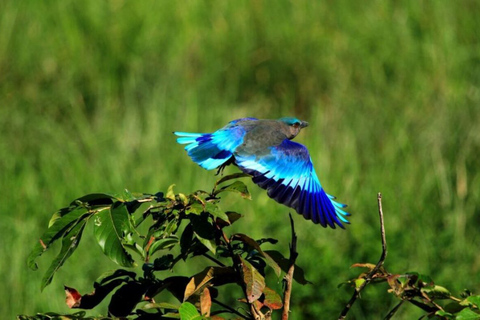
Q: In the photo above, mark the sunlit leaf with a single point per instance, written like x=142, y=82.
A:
x=474, y=300
x=69, y=245
x=437, y=292
x=215, y=211
x=272, y=299
x=467, y=314
x=170, y=193
x=160, y=305
x=237, y=187
x=208, y=243
x=205, y=302
x=110, y=228
x=254, y=281
x=189, y=312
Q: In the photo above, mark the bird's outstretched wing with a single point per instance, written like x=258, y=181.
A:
x=287, y=173
x=211, y=150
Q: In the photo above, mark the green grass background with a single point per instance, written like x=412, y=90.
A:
x=90, y=92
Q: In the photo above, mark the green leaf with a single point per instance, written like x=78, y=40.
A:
x=252, y=243
x=95, y=200
x=215, y=211
x=189, y=312
x=170, y=193
x=203, y=230
x=160, y=305
x=110, y=228
x=60, y=226
x=254, y=281
x=161, y=244
x=237, y=187
x=467, y=314
x=474, y=300
x=69, y=245
x=230, y=177
x=437, y=292
x=208, y=243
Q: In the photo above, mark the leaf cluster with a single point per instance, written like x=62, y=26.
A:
x=160, y=230
x=420, y=291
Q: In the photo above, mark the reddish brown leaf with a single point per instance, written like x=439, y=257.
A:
x=254, y=281
x=205, y=302
x=211, y=275
x=73, y=298
x=272, y=299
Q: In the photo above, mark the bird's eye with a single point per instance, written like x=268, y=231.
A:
x=296, y=124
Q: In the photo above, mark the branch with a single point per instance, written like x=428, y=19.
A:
x=379, y=264
x=289, y=276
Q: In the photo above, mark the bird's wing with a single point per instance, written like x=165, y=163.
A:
x=211, y=150
x=287, y=173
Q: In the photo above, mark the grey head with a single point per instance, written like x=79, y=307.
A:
x=292, y=126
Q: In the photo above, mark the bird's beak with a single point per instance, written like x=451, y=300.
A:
x=304, y=124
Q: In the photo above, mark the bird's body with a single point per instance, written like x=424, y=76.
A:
x=263, y=149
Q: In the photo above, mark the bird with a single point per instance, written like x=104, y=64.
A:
x=263, y=149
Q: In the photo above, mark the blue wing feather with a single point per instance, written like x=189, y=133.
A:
x=288, y=175
x=211, y=150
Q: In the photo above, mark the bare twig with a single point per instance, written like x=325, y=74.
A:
x=229, y=309
x=289, y=276
x=394, y=310
x=379, y=264
x=213, y=259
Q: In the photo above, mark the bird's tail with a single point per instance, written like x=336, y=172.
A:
x=203, y=149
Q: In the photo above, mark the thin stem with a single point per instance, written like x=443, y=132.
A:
x=289, y=276
x=230, y=309
x=379, y=264
x=213, y=259
x=236, y=263
x=393, y=311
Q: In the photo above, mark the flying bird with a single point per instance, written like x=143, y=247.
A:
x=264, y=150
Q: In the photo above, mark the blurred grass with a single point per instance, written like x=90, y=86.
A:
x=91, y=91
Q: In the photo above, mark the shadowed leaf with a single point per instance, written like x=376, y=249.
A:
x=284, y=263
x=110, y=228
x=69, y=245
x=56, y=231
x=252, y=243
x=211, y=275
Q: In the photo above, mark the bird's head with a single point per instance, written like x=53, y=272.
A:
x=293, y=126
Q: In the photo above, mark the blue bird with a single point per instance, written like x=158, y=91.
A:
x=264, y=150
